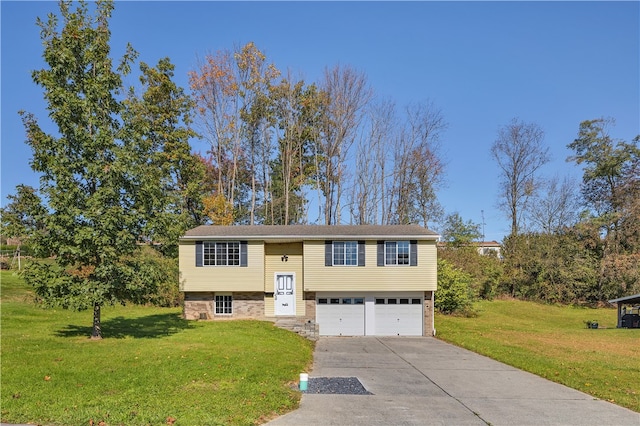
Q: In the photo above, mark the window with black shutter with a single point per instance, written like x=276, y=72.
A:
x=221, y=253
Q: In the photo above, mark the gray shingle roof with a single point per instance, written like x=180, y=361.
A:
x=310, y=232
x=628, y=299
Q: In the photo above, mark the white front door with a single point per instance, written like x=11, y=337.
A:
x=285, y=294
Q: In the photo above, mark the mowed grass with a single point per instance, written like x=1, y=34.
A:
x=151, y=368
x=553, y=342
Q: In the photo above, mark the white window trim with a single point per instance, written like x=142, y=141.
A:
x=215, y=304
x=401, y=265
x=344, y=254
x=214, y=243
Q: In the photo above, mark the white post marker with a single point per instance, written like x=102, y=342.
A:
x=304, y=380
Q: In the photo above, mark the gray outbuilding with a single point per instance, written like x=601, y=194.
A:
x=628, y=311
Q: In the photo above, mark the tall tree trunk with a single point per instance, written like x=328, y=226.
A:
x=318, y=183
x=252, y=213
x=253, y=198
x=96, y=333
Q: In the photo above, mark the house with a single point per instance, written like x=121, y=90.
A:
x=489, y=247
x=350, y=280
x=484, y=248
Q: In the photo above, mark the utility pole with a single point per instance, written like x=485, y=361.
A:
x=482, y=242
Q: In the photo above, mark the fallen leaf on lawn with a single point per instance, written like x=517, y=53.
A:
x=47, y=378
x=170, y=420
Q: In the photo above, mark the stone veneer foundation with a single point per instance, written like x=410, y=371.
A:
x=427, y=329
x=251, y=305
x=201, y=306
x=310, y=304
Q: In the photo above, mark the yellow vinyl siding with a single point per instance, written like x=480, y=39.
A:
x=274, y=264
x=222, y=278
x=370, y=277
x=269, y=306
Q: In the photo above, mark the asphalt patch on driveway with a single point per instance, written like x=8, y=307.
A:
x=336, y=386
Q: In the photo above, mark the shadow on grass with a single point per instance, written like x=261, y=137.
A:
x=149, y=327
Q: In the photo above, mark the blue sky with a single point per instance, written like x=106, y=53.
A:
x=482, y=63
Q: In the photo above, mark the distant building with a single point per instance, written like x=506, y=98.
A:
x=489, y=247
x=485, y=248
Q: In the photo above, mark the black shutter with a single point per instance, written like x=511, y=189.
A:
x=360, y=253
x=243, y=253
x=199, y=253
x=380, y=253
x=328, y=253
x=413, y=253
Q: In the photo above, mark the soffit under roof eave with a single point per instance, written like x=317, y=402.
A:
x=298, y=238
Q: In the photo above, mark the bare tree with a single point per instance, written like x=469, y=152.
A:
x=427, y=125
x=373, y=159
x=557, y=208
x=519, y=153
x=398, y=166
x=218, y=101
x=363, y=196
x=346, y=92
x=418, y=170
x=400, y=192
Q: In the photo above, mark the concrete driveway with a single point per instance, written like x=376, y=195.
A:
x=424, y=381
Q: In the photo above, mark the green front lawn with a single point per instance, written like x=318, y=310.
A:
x=553, y=342
x=152, y=367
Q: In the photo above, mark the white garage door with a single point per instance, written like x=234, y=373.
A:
x=398, y=316
x=340, y=316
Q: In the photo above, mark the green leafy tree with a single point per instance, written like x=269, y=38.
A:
x=607, y=182
x=295, y=108
x=156, y=126
x=24, y=216
x=149, y=265
x=460, y=251
x=458, y=233
x=97, y=173
x=553, y=268
x=454, y=293
x=611, y=189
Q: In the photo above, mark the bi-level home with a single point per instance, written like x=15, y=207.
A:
x=350, y=280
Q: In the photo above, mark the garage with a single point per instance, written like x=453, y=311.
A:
x=398, y=316
x=371, y=314
x=341, y=316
